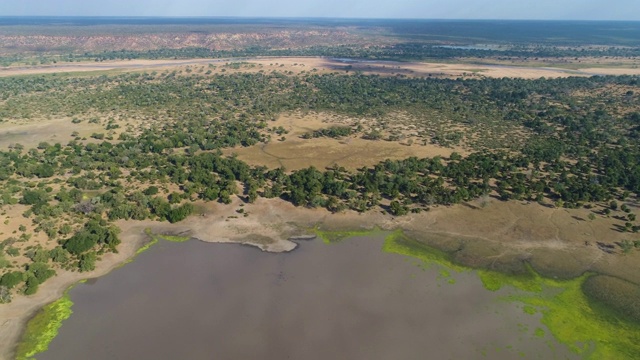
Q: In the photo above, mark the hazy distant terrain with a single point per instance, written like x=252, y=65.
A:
x=406, y=39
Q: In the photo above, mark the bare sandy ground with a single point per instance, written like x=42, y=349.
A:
x=298, y=64
x=491, y=234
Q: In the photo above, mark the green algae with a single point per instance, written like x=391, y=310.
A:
x=494, y=280
x=154, y=240
x=539, y=332
x=173, y=238
x=592, y=331
x=156, y=237
x=43, y=328
x=398, y=243
x=329, y=237
x=530, y=310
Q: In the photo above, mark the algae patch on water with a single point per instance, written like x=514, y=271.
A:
x=43, y=328
x=587, y=328
x=329, y=237
x=157, y=237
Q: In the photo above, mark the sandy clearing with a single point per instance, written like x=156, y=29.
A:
x=32, y=132
x=350, y=152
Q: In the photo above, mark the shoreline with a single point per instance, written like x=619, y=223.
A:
x=500, y=237
x=17, y=314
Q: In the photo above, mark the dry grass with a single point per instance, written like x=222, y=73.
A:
x=31, y=132
x=350, y=152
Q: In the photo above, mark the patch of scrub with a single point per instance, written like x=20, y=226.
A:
x=43, y=328
x=586, y=327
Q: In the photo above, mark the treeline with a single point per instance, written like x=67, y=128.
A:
x=400, y=52
x=332, y=132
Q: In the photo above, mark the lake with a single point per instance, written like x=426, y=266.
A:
x=348, y=300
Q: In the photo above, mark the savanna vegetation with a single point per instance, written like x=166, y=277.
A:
x=561, y=142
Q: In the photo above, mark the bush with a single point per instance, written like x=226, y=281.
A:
x=32, y=285
x=11, y=279
x=87, y=262
x=151, y=190
x=81, y=242
x=40, y=271
x=34, y=197
x=180, y=213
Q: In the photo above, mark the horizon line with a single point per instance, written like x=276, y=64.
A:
x=301, y=18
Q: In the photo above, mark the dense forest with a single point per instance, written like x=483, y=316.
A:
x=562, y=142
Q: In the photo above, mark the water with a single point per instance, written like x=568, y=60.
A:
x=343, y=301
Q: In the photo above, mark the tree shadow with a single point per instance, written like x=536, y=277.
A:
x=470, y=206
x=608, y=248
x=619, y=228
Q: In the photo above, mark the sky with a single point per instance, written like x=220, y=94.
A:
x=425, y=9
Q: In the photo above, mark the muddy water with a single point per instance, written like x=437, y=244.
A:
x=343, y=301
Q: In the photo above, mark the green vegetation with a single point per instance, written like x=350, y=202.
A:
x=43, y=328
x=329, y=237
x=332, y=132
x=569, y=142
x=587, y=328
x=156, y=237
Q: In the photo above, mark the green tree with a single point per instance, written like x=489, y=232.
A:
x=11, y=279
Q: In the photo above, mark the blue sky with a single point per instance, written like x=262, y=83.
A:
x=430, y=9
